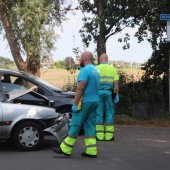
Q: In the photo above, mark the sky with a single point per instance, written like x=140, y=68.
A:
x=70, y=38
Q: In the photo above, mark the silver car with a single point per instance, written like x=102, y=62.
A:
x=27, y=124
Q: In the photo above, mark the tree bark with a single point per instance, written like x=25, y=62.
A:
x=33, y=65
x=101, y=40
x=33, y=61
x=12, y=40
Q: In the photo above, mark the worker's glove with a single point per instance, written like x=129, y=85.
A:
x=116, y=100
x=74, y=108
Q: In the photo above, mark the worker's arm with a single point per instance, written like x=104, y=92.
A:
x=79, y=91
x=116, y=87
x=116, y=81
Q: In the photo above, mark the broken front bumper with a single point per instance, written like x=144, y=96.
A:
x=59, y=129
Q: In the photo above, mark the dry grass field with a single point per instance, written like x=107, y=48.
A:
x=60, y=77
x=134, y=73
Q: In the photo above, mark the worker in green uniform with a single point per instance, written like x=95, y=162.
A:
x=87, y=93
x=105, y=113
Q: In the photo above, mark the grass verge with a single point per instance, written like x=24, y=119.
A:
x=126, y=120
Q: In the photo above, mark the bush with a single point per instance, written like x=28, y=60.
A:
x=141, y=99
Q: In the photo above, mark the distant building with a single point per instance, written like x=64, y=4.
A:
x=47, y=62
x=121, y=63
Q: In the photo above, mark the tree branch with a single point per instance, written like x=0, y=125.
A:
x=12, y=40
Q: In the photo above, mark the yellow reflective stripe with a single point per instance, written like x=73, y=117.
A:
x=107, y=70
x=68, y=144
x=100, y=132
x=65, y=148
x=109, y=128
x=100, y=127
x=70, y=140
x=109, y=136
x=91, y=151
x=109, y=132
x=100, y=136
x=91, y=147
x=90, y=141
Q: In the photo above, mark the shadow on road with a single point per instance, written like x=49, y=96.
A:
x=9, y=146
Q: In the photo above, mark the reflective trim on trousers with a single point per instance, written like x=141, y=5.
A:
x=91, y=147
x=68, y=144
x=109, y=132
x=100, y=132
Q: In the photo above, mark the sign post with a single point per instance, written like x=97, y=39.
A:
x=168, y=31
x=166, y=17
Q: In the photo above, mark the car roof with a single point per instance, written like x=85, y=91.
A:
x=17, y=73
x=12, y=71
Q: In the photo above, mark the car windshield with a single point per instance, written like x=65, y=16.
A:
x=52, y=87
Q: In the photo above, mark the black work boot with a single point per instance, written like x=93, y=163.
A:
x=83, y=154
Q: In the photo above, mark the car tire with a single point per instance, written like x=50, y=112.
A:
x=28, y=136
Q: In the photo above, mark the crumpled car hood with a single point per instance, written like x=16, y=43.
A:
x=18, y=93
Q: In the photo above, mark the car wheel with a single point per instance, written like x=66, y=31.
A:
x=28, y=136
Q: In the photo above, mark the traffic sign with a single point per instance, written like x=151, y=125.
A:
x=165, y=17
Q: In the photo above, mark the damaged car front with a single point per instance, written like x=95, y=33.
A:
x=27, y=124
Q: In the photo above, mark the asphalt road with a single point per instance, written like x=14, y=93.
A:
x=134, y=148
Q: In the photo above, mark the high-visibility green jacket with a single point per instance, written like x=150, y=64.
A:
x=108, y=75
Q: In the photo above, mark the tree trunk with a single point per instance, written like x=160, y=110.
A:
x=101, y=41
x=33, y=65
x=12, y=40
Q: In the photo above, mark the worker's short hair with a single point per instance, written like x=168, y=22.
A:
x=88, y=56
